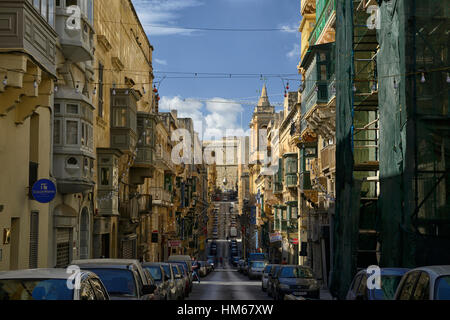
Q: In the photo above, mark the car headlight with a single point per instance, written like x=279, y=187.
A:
x=284, y=286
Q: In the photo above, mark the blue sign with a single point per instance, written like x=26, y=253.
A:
x=253, y=215
x=44, y=191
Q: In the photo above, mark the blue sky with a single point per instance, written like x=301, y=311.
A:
x=215, y=103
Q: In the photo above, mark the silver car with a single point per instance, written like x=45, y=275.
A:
x=425, y=283
x=50, y=284
x=255, y=269
x=265, y=277
x=179, y=280
x=173, y=290
x=125, y=279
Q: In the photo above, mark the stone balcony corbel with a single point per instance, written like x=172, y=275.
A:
x=29, y=104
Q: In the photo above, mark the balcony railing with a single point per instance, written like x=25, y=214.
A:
x=163, y=157
x=322, y=20
x=328, y=158
x=161, y=196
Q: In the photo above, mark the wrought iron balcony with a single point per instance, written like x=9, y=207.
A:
x=161, y=196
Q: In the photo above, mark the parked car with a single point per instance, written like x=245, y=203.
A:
x=159, y=276
x=50, y=284
x=295, y=279
x=265, y=277
x=179, y=280
x=270, y=279
x=240, y=265
x=390, y=278
x=211, y=263
x=124, y=279
x=187, y=260
x=185, y=273
x=255, y=269
x=425, y=283
x=175, y=292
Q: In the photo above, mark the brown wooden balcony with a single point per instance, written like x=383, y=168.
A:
x=328, y=159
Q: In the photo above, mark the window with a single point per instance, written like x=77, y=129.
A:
x=51, y=12
x=118, y=282
x=100, y=90
x=44, y=9
x=57, y=132
x=71, y=3
x=362, y=289
x=86, y=291
x=120, y=117
x=72, y=161
x=422, y=291
x=442, y=288
x=57, y=108
x=105, y=176
x=71, y=132
x=99, y=290
x=72, y=108
x=408, y=286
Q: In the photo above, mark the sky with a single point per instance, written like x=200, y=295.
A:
x=200, y=72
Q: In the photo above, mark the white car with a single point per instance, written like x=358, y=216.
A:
x=50, y=284
x=425, y=283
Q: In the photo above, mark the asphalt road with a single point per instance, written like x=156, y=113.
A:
x=225, y=283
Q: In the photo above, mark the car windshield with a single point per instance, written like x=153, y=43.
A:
x=295, y=272
x=117, y=281
x=267, y=269
x=258, y=264
x=31, y=289
x=388, y=286
x=443, y=288
x=155, y=271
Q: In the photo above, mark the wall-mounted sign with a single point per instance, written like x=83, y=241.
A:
x=44, y=191
x=174, y=243
x=274, y=237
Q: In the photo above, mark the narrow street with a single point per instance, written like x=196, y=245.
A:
x=225, y=283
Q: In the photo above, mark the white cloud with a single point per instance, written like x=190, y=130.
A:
x=161, y=62
x=295, y=52
x=213, y=118
x=293, y=28
x=158, y=17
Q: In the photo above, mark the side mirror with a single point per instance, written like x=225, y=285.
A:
x=148, y=289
